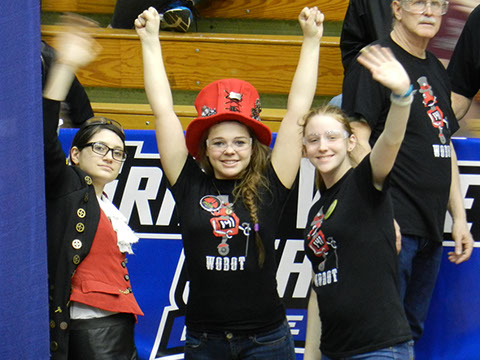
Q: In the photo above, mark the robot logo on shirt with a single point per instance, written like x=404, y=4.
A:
x=434, y=112
x=320, y=245
x=224, y=221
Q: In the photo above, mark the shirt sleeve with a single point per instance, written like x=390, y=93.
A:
x=190, y=170
x=365, y=21
x=55, y=160
x=363, y=97
x=464, y=67
x=354, y=36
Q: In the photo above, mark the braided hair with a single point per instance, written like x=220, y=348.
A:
x=248, y=189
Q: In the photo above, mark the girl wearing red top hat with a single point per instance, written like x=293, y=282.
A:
x=229, y=191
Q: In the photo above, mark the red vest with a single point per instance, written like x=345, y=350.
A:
x=101, y=280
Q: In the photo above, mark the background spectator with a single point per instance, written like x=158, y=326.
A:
x=178, y=15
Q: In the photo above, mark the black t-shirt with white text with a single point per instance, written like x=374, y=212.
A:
x=350, y=241
x=421, y=176
x=228, y=289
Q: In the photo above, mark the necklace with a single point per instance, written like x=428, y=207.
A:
x=224, y=221
x=224, y=199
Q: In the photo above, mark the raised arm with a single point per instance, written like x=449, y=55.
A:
x=75, y=48
x=287, y=151
x=168, y=129
x=390, y=73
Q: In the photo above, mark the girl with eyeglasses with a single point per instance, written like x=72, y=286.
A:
x=229, y=192
x=92, y=308
x=355, y=310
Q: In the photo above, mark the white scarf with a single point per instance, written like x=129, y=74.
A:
x=125, y=235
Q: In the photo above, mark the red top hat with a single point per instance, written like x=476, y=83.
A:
x=222, y=100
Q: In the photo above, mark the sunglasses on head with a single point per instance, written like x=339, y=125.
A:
x=102, y=121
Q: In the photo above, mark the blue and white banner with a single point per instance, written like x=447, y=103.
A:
x=161, y=288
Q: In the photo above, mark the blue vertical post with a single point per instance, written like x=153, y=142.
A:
x=23, y=259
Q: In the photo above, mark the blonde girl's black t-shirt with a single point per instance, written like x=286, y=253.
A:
x=421, y=176
x=350, y=241
x=228, y=289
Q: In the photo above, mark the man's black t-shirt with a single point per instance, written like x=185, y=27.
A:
x=365, y=22
x=464, y=66
x=421, y=175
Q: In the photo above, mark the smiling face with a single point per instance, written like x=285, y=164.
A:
x=327, y=144
x=102, y=169
x=229, y=149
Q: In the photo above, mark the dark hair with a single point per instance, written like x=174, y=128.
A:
x=94, y=125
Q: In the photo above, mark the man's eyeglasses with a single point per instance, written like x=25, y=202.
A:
x=329, y=137
x=238, y=144
x=102, y=149
x=419, y=7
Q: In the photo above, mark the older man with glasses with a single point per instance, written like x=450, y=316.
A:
x=425, y=180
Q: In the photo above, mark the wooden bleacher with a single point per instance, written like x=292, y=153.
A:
x=140, y=116
x=193, y=60
x=334, y=10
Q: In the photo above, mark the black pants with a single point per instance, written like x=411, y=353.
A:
x=107, y=338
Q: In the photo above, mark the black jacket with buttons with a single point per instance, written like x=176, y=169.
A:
x=72, y=219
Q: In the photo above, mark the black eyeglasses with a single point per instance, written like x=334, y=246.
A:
x=97, y=120
x=102, y=149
